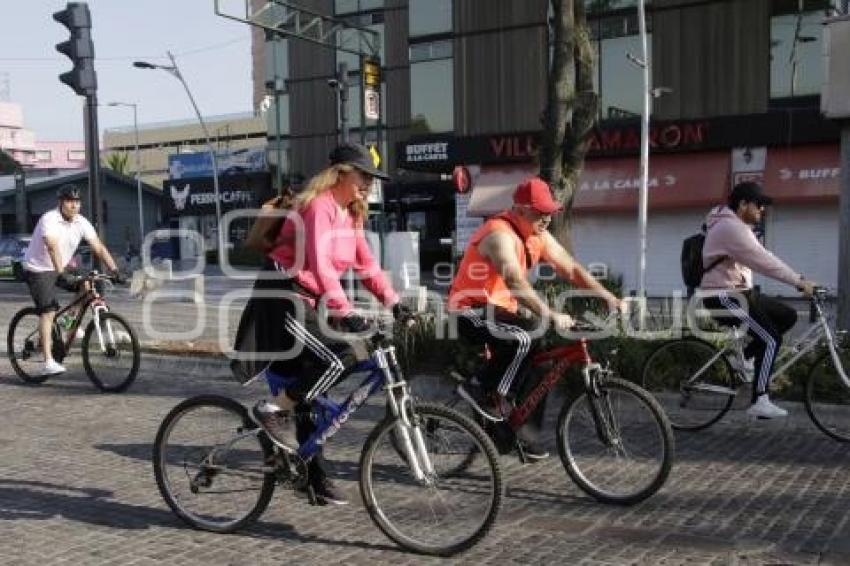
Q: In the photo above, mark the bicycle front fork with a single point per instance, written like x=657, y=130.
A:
x=598, y=401
x=409, y=430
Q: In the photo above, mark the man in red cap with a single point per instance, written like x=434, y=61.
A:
x=492, y=283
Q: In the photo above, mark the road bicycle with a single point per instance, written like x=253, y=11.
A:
x=110, y=348
x=217, y=471
x=614, y=439
x=696, y=381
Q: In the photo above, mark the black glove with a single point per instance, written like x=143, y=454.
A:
x=354, y=322
x=402, y=313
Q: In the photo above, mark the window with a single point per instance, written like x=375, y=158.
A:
x=429, y=17
x=350, y=6
x=76, y=155
x=43, y=155
x=617, y=80
x=796, y=53
x=277, y=60
x=603, y=6
x=431, y=96
x=353, y=40
x=430, y=50
x=272, y=117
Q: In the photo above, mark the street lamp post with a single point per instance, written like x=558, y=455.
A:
x=133, y=105
x=175, y=71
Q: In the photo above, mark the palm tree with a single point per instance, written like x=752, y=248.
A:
x=118, y=162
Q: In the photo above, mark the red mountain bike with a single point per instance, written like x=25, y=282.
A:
x=614, y=439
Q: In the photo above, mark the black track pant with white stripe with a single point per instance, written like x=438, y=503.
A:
x=508, y=339
x=768, y=319
x=279, y=321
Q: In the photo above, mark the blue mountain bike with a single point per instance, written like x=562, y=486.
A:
x=217, y=470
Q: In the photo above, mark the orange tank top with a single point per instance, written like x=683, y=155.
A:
x=478, y=282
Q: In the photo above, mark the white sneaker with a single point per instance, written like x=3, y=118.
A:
x=52, y=367
x=763, y=408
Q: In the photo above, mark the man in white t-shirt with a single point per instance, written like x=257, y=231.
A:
x=54, y=241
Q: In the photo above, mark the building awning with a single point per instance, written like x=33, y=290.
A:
x=675, y=181
x=611, y=184
x=802, y=174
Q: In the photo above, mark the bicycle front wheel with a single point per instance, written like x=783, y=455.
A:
x=23, y=344
x=691, y=401
x=447, y=511
x=616, y=446
x=211, y=466
x=111, y=355
x=828, y=397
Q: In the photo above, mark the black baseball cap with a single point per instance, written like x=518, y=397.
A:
x=357, y=156
x=749, y=192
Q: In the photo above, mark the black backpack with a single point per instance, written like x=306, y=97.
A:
x=692, y=266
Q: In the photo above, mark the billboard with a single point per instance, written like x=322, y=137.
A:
x=199, y=164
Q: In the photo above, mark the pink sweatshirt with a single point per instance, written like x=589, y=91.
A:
x=729, y=236
x=331, y=246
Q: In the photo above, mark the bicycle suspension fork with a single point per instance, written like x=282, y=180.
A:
x=407, y=424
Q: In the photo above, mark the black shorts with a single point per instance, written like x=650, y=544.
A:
x=43, y=285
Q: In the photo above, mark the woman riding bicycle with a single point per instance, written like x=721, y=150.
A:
x=492, y=282
x=321, y=239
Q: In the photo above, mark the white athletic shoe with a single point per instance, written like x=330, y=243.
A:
x=52, y=367
x=763, y=408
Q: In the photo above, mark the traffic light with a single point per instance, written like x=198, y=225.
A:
x=79, y=48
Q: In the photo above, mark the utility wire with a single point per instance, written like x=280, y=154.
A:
x=137, y=57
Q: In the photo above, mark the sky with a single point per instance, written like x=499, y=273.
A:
x=212, y=52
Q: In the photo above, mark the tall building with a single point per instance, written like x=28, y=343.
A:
x=464, y=83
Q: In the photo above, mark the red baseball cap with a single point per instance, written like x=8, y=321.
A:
x=536, y=193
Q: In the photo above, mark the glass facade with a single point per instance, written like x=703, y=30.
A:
x=352, y=39
x=796, y=54
x=429, y=17
x=617, y=80
x=351, y=6
x=432, y=96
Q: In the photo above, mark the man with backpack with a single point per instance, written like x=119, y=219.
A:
x=731, y=252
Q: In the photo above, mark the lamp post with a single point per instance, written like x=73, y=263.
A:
x=175, y=71
x=133, y=105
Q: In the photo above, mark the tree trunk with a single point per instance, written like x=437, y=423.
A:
x=571, y=109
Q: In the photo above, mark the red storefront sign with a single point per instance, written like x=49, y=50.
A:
x=675, y=181
x=802, y=174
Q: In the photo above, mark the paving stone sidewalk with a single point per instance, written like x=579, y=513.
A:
x=77, y=487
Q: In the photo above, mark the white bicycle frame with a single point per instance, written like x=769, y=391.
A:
x=808, y=341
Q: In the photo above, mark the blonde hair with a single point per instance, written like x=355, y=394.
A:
x=324, y=180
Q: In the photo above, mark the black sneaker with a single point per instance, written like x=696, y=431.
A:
x=533, y=450
x=277, y=423
x=486, y=403
x=327, y=493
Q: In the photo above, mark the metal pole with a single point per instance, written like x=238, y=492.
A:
x=844, y=229
x=139, y=178
x=21, y=200
x=644, y=161
x=176, y=73
x=93, y=158
x=277, y=89
x=361, y=104
x=342, y=78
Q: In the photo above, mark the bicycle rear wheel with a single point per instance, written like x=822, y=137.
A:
x=690, y=404
x=23, y=344
x=828, y=398
x=445, y=513
x=617, y=446
x=111, y=357
x=211, y=466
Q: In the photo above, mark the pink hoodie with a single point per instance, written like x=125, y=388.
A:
x=729, y=236
x=331, y=245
